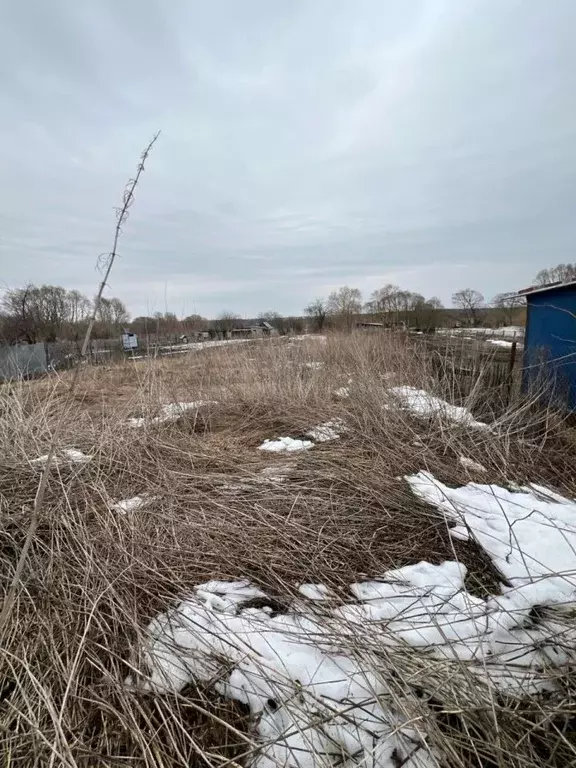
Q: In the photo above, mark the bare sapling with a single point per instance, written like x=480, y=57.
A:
x=122, y=213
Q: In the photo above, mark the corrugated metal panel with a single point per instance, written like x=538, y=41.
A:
x=550, y=343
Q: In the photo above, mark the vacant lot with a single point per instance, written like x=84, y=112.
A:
x=304, y=645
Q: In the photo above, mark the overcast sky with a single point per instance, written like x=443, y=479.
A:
x=306, y=144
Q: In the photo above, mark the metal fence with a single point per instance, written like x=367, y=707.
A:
x=22, y=360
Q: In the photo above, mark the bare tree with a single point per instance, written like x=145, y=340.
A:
x=561, y=273
x=44, y=313
x=344, y=305
x=427, y=313
x=394, y=305
x=226, y=321
x=112, y=313
x=507, y=304
x=471, y=302
x=317, y=311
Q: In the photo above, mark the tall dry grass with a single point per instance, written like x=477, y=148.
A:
x=94, y=577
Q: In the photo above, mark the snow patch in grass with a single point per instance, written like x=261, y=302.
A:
x=530, y=535
x=132, y=505
x=472, y=465
x=307, y=698
x=60, y=458
x=314, y=365
x=310, y=687
x=330, y=430
x=287, y=444
x=423, y=404
x=315, y=591
x=500, y=342
x=171, y=412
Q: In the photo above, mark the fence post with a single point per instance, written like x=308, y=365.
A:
x=511, y=371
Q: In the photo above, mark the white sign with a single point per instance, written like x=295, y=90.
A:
x=129, y=341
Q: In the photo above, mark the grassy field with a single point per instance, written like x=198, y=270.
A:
x=218, y=508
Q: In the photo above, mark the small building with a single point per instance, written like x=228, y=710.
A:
x=550, y=339
x=362, y=325
x=250, y=332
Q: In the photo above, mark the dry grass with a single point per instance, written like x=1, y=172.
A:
x=94, y=577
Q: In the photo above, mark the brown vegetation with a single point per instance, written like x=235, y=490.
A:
x=94, y=577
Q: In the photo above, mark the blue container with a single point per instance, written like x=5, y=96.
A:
x=550, y=339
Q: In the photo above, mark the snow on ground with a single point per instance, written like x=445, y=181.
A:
x=65, y=456
x=500, y=342
x=288, y=444
x=132, y=505
x=314, y=365
x=199, y=345
x=530, y=536
x=507, y=332
x=307, y=336
x=317, y=703
x=170, y=412
x=313, y=700
x=421, y=403
x=471, y=464
x=330, y=430
x=342, y=392
x=313, y=705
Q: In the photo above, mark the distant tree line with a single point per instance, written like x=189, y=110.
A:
x=394, y=306
x=50, y=312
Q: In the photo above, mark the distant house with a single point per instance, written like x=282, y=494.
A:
x=369, y=326
x=550, y=338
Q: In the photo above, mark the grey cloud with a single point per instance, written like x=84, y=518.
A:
x=305, y=145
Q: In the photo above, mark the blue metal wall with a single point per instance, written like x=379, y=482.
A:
x=551, y=339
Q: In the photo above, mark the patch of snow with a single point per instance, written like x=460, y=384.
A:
x=423, y=404
x=330, y=430
x=309, y=701
x=529, y=535
x=472, y=465
x=312, y=681
x=170, y=412
x=307, y=336
x=65, y=456
x=288, y=444
x=500, y=342
x=132, y=505
x=314, y=365
x=315, y=591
